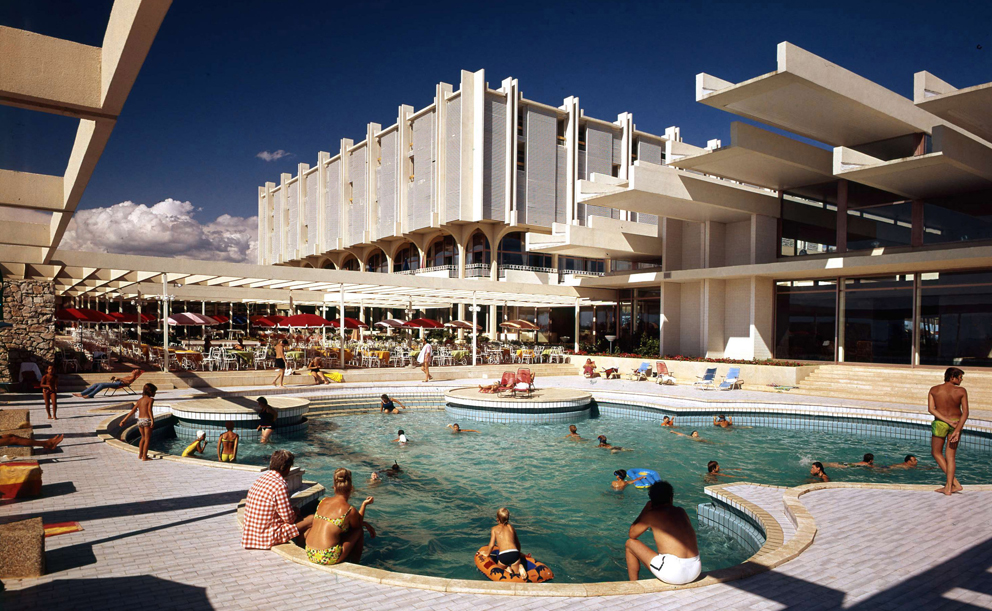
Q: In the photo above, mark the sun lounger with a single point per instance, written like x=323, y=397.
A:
x=708, y=380
x=732, y=380
x=641, y=373
x=663, y=375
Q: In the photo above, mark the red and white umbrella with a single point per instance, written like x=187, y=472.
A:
x=350, y=323
x=461, y=324
x=423, y=323
x=189, y=319
x=391, y=323
x=519, y=325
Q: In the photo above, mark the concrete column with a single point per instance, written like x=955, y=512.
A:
x=713, y=318
x=842, y=215
x=461, y=316
x=762, y=315
x=512, y=90
x=578, y=329
x=475, y=330
x=165, y=323
x=571, y=106
x=341, y=323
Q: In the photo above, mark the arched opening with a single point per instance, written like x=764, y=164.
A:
x=377, y=263
x=327, y=265
x=351, y=264
x=442, y=251
x=308, y=264
x=511, y=252
x=407, y=259
x=478, y=256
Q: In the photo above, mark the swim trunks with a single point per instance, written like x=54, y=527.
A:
x=226, y=457
x=143, y=422
x=941, y=429
x=280, y=363
x=508, y=557
x=674, y=570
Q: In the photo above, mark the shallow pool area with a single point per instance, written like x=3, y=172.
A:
x=433, y=517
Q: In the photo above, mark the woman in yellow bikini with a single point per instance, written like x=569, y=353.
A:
x=336, y=534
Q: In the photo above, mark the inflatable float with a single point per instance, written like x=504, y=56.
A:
x=537, y=572
x=650, y=477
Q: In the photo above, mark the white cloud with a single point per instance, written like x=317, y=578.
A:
x=267, y=156
x=166, y=229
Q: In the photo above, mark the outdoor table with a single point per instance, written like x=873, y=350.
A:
x=382, y=355
x=295, y=354
x=458, y=355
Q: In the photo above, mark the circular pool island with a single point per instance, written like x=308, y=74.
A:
x=542, y=406
x=210, y=415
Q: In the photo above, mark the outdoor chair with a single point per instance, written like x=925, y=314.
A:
x=125, y=388
x=260, y=357
x=506, y=382
x=641, y=373
x=556, y=355
x=228, y=358
x=663, y=375
x=524, y=374
x=212, y=359
x=732, y=380
x=708, y=380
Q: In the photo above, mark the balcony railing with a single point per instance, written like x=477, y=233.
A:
x=477, y=270
x=525, y=268
x=451, y=269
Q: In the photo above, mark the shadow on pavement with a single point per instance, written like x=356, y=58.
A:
x=108, y=594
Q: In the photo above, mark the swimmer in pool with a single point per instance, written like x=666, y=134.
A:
x=603, y=444
x=374, y=479
x=868, y=460
x=694, y=436
x=668, y=421
x=722, y=421
x=573, y=433
x=713, y=471
x=621, y=480
x=394, y=471
x=816, y=471
x=455, y=429
x=402, y=437
x=909, y=463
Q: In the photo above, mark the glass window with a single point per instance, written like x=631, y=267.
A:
x=478, y=250
x=585, y=325
x=878, y=319
x=805, y=319
x=963, y=218
x=407, y=259
x=581, y=264
x=377, y=263
x=351, y=264
x=511, y=252
x=956, y=319
x=444, y=251
x=880, y=226
x=809, y=226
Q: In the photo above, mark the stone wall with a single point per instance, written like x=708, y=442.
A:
x=29, y=305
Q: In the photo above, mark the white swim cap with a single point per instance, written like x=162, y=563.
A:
x=201, y=434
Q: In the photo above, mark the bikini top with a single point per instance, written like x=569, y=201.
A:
x=339, y=522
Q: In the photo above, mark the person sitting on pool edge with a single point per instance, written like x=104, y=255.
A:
x=909, y=463
x=677, y=560
x=198, y=445
x=573, y=433
x=504, y=536
x=722, y=421
x=816, y=470
x=455, y=429
x=668, y=421
x=388, y=405
x=227, y=444
x=318, y=376
x=621, y=480
x=336, y=534
x=868, y=460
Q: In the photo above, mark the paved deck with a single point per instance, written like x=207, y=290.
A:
x=163, y=535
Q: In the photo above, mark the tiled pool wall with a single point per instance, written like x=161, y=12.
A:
x=510, y=415
x=186, y=431
x=732, y=522
x=829, y=424
x=690, y=413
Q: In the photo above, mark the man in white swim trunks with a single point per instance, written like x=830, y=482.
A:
x=677, y=560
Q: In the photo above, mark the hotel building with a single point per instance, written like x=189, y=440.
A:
x=869, y=240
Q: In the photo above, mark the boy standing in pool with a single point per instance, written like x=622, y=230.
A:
x=504, y=536
x=227, y=444
x=948, y=404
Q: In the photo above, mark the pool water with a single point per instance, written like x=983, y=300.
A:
x=432, y=518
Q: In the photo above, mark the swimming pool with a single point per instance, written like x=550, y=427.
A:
x=434, y=516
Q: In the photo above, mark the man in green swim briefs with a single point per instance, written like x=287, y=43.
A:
x=948, y=404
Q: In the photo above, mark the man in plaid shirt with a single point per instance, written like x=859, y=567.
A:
x=269, y=519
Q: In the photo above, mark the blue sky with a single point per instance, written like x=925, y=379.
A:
x=226, y=80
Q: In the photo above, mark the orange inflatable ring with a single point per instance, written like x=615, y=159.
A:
x=537, y=572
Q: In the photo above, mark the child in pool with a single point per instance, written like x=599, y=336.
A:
x=504, y=536
x=401, y=437
x=621, y=480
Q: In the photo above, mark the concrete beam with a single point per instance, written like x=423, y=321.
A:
x=27, y=190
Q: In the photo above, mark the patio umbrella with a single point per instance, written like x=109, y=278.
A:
x=95, y=316
x=304, y=320
x=461, y=324
x=261, y=321
x=390, y=323
x=132, y=319
x=70, y=315
x=191, y=319
x=349, y=323
x=519, y=325
x=423, y=323
x=220, y=318
x=240, y=320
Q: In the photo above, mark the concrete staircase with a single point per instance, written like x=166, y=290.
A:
x=892, y=384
